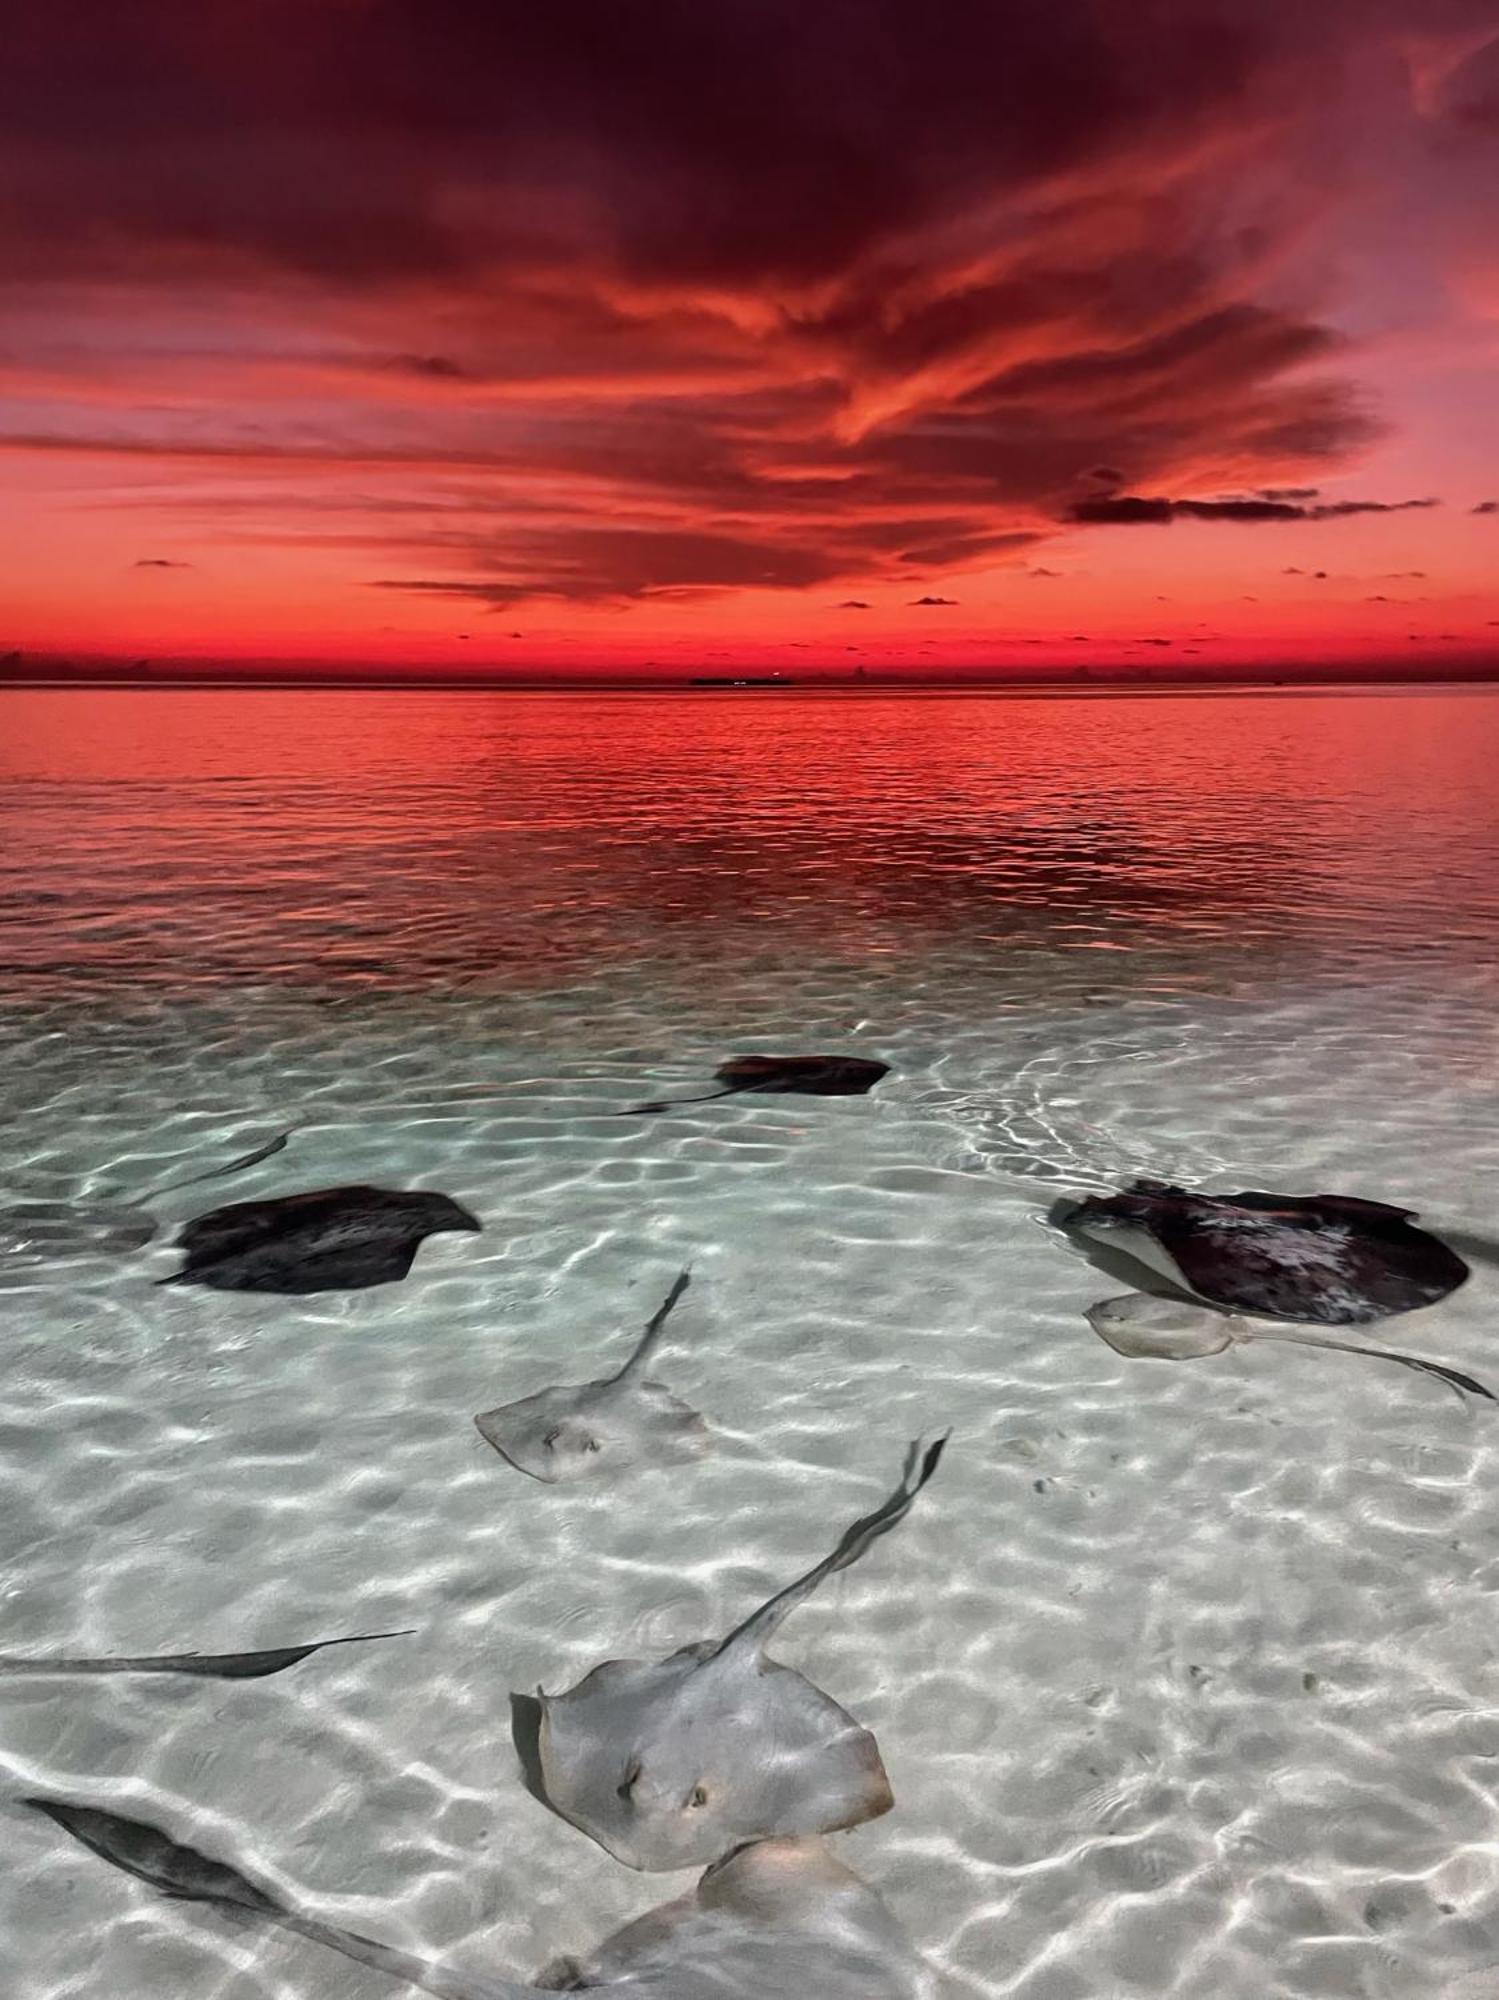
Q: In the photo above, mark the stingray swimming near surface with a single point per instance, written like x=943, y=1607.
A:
x=1142, y=1324
x=572, y=1429
x=674, y=1763
x=330, y=1239
x=781, y=1920
x=1323, y=1259
x=794, y=1076
x=70, y=1228
x=208, y=1666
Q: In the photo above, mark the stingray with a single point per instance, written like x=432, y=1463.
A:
x=572, y=1429
x=1324, y=1259
x=794, y=1076
x=779, y=1919
x=674, y=1763
x=330, y=1239
x=1139, y=1323
x=210, y=1666
x=63, y=1228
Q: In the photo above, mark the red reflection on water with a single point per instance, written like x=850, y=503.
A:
x=414, y=838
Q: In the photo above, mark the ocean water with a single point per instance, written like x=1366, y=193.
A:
x=1184, y=1673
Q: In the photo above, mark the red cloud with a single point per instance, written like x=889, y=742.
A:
x=589, y=304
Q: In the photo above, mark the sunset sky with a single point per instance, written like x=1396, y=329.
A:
x=698, y=335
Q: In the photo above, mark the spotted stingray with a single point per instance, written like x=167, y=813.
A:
x=1323, y=1259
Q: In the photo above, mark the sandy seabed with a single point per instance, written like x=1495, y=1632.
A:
x=1184, y=1674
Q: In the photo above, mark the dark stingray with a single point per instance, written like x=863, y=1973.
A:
x=67, y=1228
x=330, y=1239
x=1322, y=1259
x=782, y=1920
x=210, y=1666
x=792, y=1076
x=675, y=1763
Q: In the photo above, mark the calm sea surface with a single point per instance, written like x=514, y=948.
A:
x=1184, y=1674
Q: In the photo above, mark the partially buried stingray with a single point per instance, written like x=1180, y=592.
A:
x=1322, y=1259
x=795, y=1076
x=1141, y=1324
x=70, y=1228
x=574, y=1428
x=781, y=1920
x=330, y=1239
x=674, y=1763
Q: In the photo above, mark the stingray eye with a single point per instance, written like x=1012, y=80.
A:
x=697, y=1797
x=631, y=1778
x=591, y=1444
x=548, y=1443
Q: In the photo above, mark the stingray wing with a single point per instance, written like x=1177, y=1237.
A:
x=288, y=1268
x=826, y=1772
x=239, y=1224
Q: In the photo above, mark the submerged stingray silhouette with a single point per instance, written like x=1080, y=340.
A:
x=330, y=1239
x=67, y=1228
x=673, y=1763
x=1323, y=1259
x=797, y=1076
x=779, y=1918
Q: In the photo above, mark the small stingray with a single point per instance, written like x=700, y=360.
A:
x=1324, y=1259
x=795, y=1076
x=211, y=1666
x=71, y=1228
x=330, y=1239
x=1140, y=1324
x=674, y=1763
x=779, y=1921
x=572, y=1429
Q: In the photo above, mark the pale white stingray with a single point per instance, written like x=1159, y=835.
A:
x=674, y=1763
x=779, y=1921
x=572, y=1429
x=1142, y=1324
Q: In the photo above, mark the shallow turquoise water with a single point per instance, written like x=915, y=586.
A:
x=1183, y=1674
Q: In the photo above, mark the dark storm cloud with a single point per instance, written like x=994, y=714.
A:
x=895, y=281
x=853, y=604
x=158, y=562
x=1487, y=507
x=933, y=600
x=435, y=367
x=1129, y=508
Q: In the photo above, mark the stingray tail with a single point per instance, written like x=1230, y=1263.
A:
x=651, y=1338
x=222, y=1173
x=1454, y=1378
x=207, y=1666
x=760, y=1625
x=188, y=1876
x=671, y=1103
